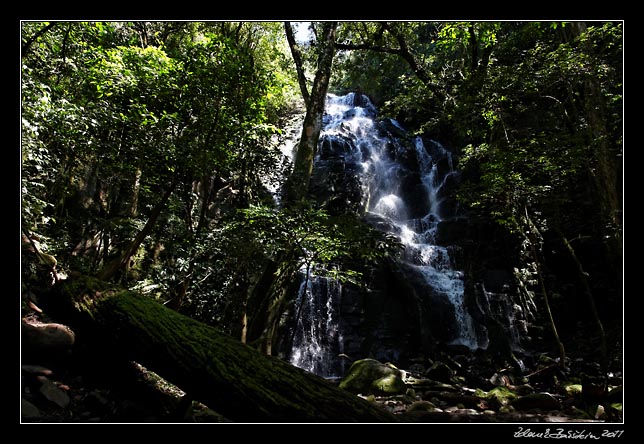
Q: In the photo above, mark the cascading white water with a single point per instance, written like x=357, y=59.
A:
x=434, y=261
x=286, y=142
x=317, y=339
x=507, y=313
x=382, y=177
x=350, y=121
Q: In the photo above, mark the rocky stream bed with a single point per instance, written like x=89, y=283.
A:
x=88, y=388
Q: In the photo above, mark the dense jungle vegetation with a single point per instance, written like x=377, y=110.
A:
x=150, y=156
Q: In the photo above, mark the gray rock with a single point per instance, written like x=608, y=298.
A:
x=466, y=412
x=421, y=405
x=46, y=336
x=54, y=394
x=28, y=410
x=36, y=370
x=97, y=403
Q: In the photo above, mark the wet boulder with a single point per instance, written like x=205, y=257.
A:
x=40, y=338
x=369, y=376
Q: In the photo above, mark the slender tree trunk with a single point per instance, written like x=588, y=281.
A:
x=531, y=231
x=297, y=185
x=244, y=327
x=268, y=299
x=603, y=348
x=26, y=46
x=259, y=302
x=297, y=58
x=113, y=267
x=136, y=188
x=474, y=48
x=604, y=171
x=229, y=377
x=270, y=293
x=546, y=301
x=176, y=302
x=278, y=298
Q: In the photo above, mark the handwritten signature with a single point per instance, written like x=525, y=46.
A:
x=567, y=434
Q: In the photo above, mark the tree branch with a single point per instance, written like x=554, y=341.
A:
x=27, y=45
x=297, y=58
x=369, y=47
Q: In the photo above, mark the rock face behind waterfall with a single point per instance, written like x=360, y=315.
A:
x=404, y=186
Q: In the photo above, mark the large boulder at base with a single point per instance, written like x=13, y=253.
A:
x=369, y=376
x=45, y=337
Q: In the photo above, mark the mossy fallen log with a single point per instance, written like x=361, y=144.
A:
x=226, y=375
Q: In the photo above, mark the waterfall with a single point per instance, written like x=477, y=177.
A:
x=431, y=260
x=417, y=234
x=317, y=340
x=511, y=315
x=286, y=142
x=399, y=183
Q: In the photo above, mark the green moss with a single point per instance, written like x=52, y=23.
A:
x=371, y=376
x=213, y=368
x=479, y=393
x=573, y=389
x=506, y=409
x=389, y=385
x=77, y=296
x=85, y=284
x=421, y=406
x=500, y=395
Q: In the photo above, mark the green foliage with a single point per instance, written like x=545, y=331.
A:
x=114, y=112
x=534, y=147
x=533, y=112
x=37, y=160
x=319, y=240
x=377, y=74
x=543, y=154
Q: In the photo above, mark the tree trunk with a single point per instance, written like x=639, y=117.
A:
x=229, y=377
x=136, y=189
x=297, y=185
x=607, y=155
x=551, y=320
x=270, y=295
x=112, y=268
x=532, y=232
x=297, y=58
x=406, y=54
x=26, y=46
x=177, y=301
x=269, y=298
x=603, y=348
